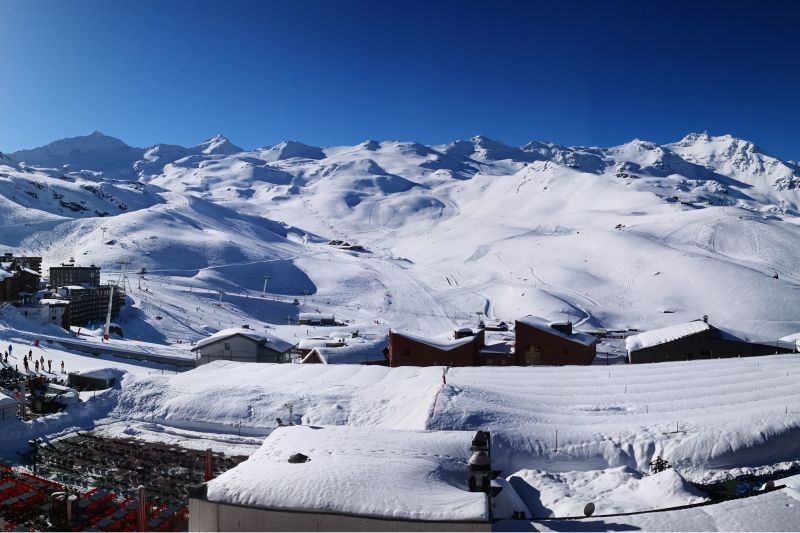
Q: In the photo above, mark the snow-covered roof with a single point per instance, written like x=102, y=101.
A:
x=30, y=271
x=418, y=475
x=101, y=373
x=5, y=273
x=664, y=335
x=790, y=340
x=53, y=301
x=313, y=342
x=6, y=401
x=502, y=347
x=754, y=338
x=275, y=343
x=547, y=326
x=438, y=343
x=353, y=354
x=315, y=316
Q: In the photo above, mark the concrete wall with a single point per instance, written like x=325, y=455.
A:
x=534, y=344
x=212, y=516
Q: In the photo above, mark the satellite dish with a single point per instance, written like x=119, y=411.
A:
x=589, y=509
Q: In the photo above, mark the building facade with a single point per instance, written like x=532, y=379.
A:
x=19, y=277
x=539, y=342
x=406, y=349
x=69, y=274
x=243, y=345
x=696, y=340
x=89, y=305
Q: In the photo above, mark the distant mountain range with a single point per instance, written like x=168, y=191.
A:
x=637, y=234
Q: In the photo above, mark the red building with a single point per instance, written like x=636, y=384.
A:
x=539, y=342
x=407, y=349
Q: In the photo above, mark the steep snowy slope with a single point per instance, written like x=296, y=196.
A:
x=96, y=152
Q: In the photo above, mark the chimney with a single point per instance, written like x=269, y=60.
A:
x=563, y=327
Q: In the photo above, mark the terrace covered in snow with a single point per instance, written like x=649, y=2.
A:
x=410, y=475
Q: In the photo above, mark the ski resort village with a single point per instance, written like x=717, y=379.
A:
x=399, y=337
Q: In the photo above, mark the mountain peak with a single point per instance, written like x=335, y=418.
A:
x=218, y=145
x=292, y=149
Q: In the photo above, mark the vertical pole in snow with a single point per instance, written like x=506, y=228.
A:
x=141, y=513
x=108, y=314
x=209, y=471
x=676, y=427
x=264, y=290
x=556, y=440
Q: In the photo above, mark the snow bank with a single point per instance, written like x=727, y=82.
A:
x=739, y=412
x=774, y=511
x=615, y=490
x=233, y=397
x=663, y=335
x=396, y=474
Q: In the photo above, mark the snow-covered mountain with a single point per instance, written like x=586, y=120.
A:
x=637, y=235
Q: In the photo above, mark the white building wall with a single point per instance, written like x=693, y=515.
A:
x=212, y=516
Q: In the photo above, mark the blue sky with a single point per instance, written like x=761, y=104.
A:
x=336, y=72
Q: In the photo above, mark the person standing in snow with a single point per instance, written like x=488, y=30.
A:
x=62, y=366
x=30, y=353
x=41, y=362
x=25, y=362
x=36, y=366
x=50, y=366
x=10, y=348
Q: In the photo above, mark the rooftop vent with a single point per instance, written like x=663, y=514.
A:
x=563, y=327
